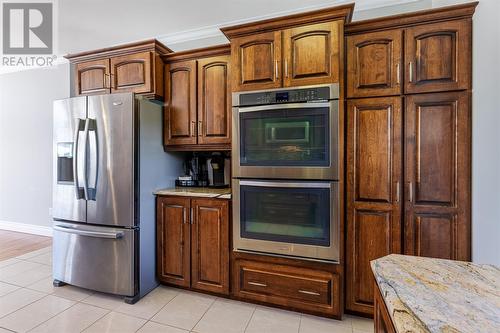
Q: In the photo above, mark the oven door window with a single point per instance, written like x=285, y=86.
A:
x=287, y=137
x=285, y=214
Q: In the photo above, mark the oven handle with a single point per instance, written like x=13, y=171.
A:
x=285, y=184
x=286, y=106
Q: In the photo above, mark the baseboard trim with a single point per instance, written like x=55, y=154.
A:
x=26, y=228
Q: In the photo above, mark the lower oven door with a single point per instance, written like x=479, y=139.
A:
x=96, y=258
x=299, y=219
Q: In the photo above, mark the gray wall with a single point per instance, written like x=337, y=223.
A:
x=26, y=130
x=26, y=142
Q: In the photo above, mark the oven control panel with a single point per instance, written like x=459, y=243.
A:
x=299, y=95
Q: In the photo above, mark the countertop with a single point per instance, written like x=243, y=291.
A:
x=437, y=295
x=204, y=192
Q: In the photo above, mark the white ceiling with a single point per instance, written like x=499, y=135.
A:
x=91, y=24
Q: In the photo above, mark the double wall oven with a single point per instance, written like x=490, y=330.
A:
x=286, y=172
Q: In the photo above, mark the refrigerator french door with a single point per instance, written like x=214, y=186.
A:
x=109, y=160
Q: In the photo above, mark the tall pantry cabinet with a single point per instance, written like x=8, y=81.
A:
x=408, y=141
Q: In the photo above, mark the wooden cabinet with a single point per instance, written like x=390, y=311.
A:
x=312, y=54
x=135, y=68
x=437, y=175
x=297, y=50
x=309, y=55
x=374, y=180
x=438, y=56
x=214, y=101
x=180, y=110
x=256, y=61
x=198, y=100
x=301, y=288
x=173, y=240
x=193, y=243
x=382, y=321
x=92, y=77
x=374, y=63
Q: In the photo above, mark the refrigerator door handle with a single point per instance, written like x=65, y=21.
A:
x=76, y=168
x=93, y=161
x=86, y=161
x=97, y=234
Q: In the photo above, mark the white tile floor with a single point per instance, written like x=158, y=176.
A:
x=29, y=303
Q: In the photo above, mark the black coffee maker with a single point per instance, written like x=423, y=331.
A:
x=218, y=167
x=195, y=172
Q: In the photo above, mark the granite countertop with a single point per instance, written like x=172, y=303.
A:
x=205, y=192
x=437, y=295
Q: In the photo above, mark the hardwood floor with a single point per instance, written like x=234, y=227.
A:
x=13, y=244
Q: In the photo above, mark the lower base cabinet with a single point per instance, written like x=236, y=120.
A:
x=193, y=243
x=297, y=288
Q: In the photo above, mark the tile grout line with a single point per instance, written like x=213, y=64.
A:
x=204, y=313
x=300, y=322
x=45, y=295
x=249, y=320
x=31, y=329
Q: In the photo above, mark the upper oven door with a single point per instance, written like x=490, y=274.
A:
x=297, y=140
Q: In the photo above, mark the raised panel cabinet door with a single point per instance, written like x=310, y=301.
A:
x=438, y=57
x=256, y=61
x=210, y=245
x=312, y=54
x=92, y=77
x=173, y=240
x=214, y=100
x=374, y=64
x=132, y=73
x=438, y=175
x=374, y=180
x=180, y=109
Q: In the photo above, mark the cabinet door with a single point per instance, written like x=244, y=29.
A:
x=214, y=100
x=312, y=54
x=381, y=319
x=374, y=64
x=210, y=245
x=438, y=169
x=438, y=57
x=256, y=61
x=374, y=177
x=173, y=240
x=180, y=109
x=132, y=73
x=92, y=77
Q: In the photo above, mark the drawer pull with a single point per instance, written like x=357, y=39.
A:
x=309, y=292
x=257, y=284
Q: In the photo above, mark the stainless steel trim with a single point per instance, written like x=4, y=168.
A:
x=75, y=158
x=309, y=292
x=330, y=172
x=258, y=284
x=333, y=87
x=111, y=235
x=284, y=106
x=307, y=252
x=286, y=184
x=93, y=161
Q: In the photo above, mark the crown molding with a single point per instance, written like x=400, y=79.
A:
x=214, y=30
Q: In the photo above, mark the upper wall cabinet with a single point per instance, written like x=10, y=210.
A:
x=198, y=100
x=134, y=68
x=297, y=50
x=438, y=57
x=374, y=64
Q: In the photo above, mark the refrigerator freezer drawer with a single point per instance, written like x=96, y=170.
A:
x=97, y=258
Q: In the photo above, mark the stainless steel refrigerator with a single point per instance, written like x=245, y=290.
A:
x=108, y=160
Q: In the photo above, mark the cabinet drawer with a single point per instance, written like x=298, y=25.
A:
x=296, y=287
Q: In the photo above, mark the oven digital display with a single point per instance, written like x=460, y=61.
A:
x=282, y=97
